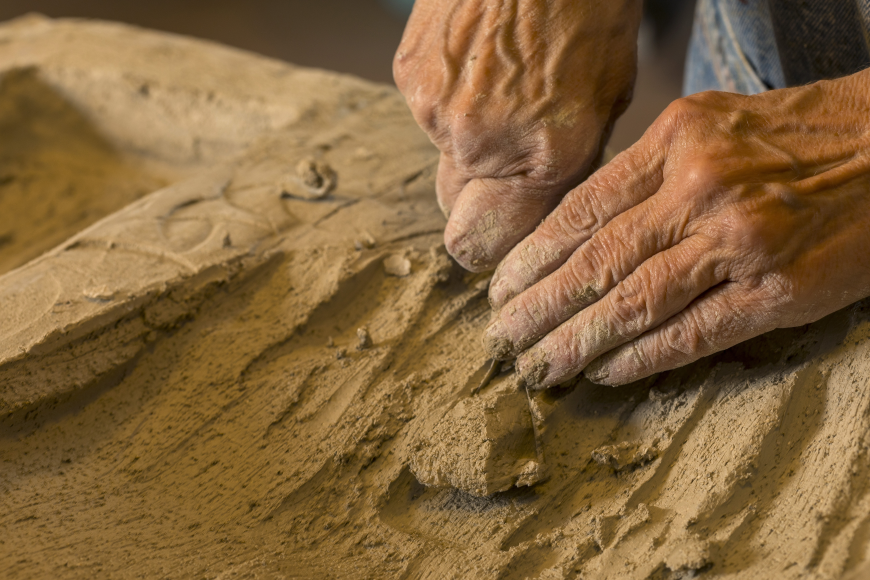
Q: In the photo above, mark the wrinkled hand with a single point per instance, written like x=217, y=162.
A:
x=519, y=97
x=732, y=216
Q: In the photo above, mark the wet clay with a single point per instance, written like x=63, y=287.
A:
x=239, y=349
x=483, y=445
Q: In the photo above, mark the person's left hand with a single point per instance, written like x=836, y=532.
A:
x=732, y=216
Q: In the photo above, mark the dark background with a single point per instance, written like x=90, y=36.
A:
x=360, y=36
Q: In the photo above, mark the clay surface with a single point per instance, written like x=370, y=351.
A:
x=230, y=337
x=483, y=445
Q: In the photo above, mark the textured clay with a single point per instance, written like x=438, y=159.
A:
x=191, y=237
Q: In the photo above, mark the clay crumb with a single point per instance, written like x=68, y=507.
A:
x=364, y=338
x=363, y=153
x=366, y=241
x=340, y=354
x=318, y=177
x=690, y=554
x=532, y=473
x=625, y=455
x=397, y=265
x=442, y=263
x=99, y=293
x=659, y=395
x=312, y=180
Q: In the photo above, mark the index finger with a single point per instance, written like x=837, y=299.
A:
x=631, y=177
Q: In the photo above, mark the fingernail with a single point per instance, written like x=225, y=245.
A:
x=496, y=341
x=533, y=369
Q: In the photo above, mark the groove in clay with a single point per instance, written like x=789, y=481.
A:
x=181, y=393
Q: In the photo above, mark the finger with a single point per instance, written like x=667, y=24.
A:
x=608, y=257
x=448, y=184
x=631, y=177
x=723, y=317
x=491, y=215
x=660, y=288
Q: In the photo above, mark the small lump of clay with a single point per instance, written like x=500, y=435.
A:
x=313, y=180
x=626, y=455
x=364, y=338
x=367, y=241
x=99, y=293
x=485, y=444
x=397, y=265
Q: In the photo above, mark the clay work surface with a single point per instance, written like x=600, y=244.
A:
x=232, y=346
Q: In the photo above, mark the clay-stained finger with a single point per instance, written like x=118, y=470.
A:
x=491, y=216
x=721, y=318
x=604, y=260
x=631, y=177
x=660, y=288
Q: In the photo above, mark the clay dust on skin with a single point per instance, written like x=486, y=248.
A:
x=173, y=405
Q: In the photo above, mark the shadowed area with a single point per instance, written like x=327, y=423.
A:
x=220, y=379
x=57, y=173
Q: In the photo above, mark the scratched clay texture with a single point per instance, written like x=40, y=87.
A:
x=185, y=391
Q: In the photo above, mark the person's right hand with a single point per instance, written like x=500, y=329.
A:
x=519, y=97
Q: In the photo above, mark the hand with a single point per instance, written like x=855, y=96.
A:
x=732, y=216
x=519, y=97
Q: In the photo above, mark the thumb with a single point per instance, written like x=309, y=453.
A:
x=491, y=215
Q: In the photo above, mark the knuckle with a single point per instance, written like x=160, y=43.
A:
x=738, y=227
x=467, y=138
x=683, y=111
x=644, y=359
x=408, y=69
x=693, y=106
x=422, y=98
x=678, y=110
x=545, y=159
x=703, y=174
x=578, y=285
x=690, y=114
x=573, y=218
x=749, y=236
x=685, y=339
x=426, y=114
x=630, y=306
x=598, y=253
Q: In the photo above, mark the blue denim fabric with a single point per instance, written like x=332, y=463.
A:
x=732, y=49
x=749, y=46
x=820, y=39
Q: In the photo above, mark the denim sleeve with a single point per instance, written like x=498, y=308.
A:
x=749, y=46
x=732, y=48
